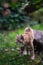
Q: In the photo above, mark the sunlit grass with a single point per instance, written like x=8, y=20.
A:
x=38, y=27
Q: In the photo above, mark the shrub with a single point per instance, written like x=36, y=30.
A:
x=13, y=20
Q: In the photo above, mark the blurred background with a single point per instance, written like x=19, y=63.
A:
x=15, y=15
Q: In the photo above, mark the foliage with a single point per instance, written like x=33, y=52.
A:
x=17, y=17
x=14, y=20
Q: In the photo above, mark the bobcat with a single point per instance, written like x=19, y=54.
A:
x=27, y=39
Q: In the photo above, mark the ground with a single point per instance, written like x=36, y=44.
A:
x=10, y=52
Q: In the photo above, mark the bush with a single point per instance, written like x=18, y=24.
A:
x=13, y=20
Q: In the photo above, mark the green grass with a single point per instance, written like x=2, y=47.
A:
x=38, y=27
x=7, y=40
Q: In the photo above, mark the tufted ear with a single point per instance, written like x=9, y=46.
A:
x=22, y=37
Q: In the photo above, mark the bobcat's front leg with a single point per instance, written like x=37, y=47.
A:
x=21, y=50
x=32, y=55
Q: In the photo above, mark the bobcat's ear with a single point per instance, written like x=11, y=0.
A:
x=22, y=37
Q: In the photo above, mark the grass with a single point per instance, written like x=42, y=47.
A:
x=38, y=27
x=8, y=38
x=12, y=57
